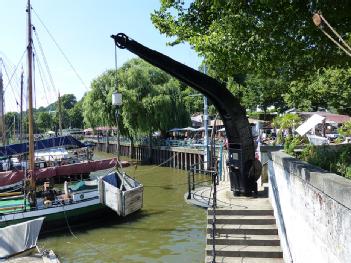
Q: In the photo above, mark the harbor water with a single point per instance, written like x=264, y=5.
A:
x=165, y=230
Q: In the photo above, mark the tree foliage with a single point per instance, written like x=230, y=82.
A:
x=269, y=48
x=328, y=88
x=45, y=121
x=287, y=121
x=260, y=91
x=97, y=104
x=256, y=36
x=152, y=100
x=345, y=129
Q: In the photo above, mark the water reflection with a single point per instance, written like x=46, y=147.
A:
x=166, y=230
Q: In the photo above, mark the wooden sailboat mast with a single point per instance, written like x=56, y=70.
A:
x=21, y=110
x=30, y=100
x=2, y=109
x=60, y=113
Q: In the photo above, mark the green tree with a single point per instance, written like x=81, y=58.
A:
x=75, y=115
x=265, y=50
x=152, y=95
x=152, y=100
x=97, y=104
x=260, y=91
x=345, y=129
x=45, y=121
x=328, y=88
x=286, y=122
x=256, y=36
x=68, y=101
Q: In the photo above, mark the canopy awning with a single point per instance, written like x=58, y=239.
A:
x=20, y=148
x=183, y=129
x=88, y=130
x=202, y=129
x=309, y=124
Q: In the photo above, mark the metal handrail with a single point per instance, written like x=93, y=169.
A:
x=214, y=206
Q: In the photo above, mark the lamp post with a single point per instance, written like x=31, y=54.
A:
x=205, y=122
x=117, y=101
x=206, y=153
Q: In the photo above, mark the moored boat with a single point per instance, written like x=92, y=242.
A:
x=82, y=201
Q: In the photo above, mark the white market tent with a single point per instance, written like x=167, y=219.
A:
x=309, y=124
x=182, y=129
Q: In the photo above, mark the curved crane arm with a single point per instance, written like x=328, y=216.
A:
x=240, y=141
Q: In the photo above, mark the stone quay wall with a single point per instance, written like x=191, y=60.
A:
x=313, y=210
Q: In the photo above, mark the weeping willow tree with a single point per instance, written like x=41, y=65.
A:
x=152, y=101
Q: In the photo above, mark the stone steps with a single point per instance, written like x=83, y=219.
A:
x=244, y=220
x=246, y=251
x=245, y=240
x=244, y=260
x=227, y=229
x=245, y=212
x=246, y=234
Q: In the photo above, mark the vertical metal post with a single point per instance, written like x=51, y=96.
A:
x=117, y=126
x=193, y=175
x=214, y=206
x=206, y=156
x=206, y=153
x=220, y=166
x=189, y=185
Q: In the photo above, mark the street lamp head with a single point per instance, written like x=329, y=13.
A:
x=116, y=99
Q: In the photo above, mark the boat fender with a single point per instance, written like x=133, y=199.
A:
x=47, y=203
x=65, y=188
x=81, y=196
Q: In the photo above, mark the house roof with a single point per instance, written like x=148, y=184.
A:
x=329, y=117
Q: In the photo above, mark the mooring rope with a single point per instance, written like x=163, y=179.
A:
x=103, y=253
x=154, y=166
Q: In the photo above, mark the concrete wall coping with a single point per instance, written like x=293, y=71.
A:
x=333, y=185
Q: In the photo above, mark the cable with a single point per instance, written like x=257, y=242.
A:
x=156, y=166
x=84, y=242
x=45, y=61
x=41, y=78
x=15, y=69
x=60, y=49
x=170, y=185
x=9, y=83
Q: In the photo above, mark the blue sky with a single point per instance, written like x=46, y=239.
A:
x=82, y=28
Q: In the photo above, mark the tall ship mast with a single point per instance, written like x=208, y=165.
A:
x=2, y=109
x=30, y=100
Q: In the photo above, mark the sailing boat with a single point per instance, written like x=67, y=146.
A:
x=116, y=191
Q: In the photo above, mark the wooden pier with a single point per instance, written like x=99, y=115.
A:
x=175, y=157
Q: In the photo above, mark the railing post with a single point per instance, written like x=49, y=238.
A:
x=214, y=206
x=189, y=185
x=193, y=175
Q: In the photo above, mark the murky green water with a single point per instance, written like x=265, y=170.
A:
x=166, y=230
